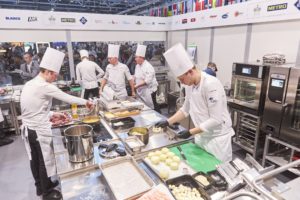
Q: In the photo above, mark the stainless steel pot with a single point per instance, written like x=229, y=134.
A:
x=79, y=139
x=141, y=132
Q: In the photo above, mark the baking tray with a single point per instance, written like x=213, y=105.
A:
x=125, y=179
x=189, y=181
x=128, y=122
x=209, y=179
x=114, y=116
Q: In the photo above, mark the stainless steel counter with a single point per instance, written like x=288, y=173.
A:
x=80, y=180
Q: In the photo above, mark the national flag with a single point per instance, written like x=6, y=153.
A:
x=175, y=9
x=189, y=6
x=214, y=3
x=165, y=11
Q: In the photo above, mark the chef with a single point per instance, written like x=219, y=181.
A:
x=36, y=100
x=86, y=75
x=3, y=140
x=205, y=102
x=145, y=80
x=116, y=74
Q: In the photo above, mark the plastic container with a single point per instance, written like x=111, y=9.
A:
x=189, y=181
x=219, y=183
x=128, y=123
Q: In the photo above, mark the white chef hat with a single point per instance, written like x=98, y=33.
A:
x=178, y=60
x=52, y=60
x=113, y=51
x=83, y=53
x=141, y=50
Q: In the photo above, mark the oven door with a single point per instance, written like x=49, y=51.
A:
x=247, y=92
x=290, y=127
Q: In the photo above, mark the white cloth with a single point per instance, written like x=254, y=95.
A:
x=116, y=76
x=178, y=60
x=207, y=105
x=141, y=50
x=145, y=72
x=113, y=51
x=84, y=53
x=52, y=60
x=86, y=74
x=36, y=101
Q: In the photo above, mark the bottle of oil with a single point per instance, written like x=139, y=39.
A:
x=74, y=111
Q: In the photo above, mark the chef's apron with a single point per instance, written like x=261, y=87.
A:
x=118, y=92
x=1, y=116
x=217, y=144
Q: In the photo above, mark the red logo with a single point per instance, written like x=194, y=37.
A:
x=193, y=19
x=184, y=21
x=237, y=13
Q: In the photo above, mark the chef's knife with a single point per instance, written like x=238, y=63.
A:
x=182, y=154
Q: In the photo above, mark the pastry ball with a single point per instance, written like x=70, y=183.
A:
x=165, y=150
x=170, y=155
x=169, y=161
x=162, y=157
x=174, y=166
x=155, y=160
x=164, y=174
x=176, y=159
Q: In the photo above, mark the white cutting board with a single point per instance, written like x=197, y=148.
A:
x=172, y=173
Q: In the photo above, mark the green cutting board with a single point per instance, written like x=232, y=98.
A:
x=76, y=89
x=197, y=158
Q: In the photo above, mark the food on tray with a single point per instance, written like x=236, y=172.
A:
x=165, y=150
x=176, y=159
x=182, y=192
x=170, y=155
x=162, y=157
x=202, y=179
x=109, y=115
x=156, y=129
x=157, y=153
x=60, y=120
x=174, y=166
x=168, y=162
x=164, y=174
x=151, y=154
x=119, y=124
x=155, y=194
x=155, y=160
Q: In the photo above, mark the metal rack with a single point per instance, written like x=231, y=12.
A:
x=247, y=133
x=281, y=155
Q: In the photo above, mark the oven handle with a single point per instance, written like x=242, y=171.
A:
x=284, y=107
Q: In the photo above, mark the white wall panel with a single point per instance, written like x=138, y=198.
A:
x=279, y=37
x=229, y=47
x=201, y=38
x=91, y=36
x=32, y=36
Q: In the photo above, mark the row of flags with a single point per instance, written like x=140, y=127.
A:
x=187, y=6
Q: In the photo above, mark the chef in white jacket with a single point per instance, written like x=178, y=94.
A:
x=86, y=75
x=116, y=74
x=205, y=102
x=36, y=100
x=145, y=80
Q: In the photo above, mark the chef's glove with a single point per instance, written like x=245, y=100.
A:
x=162, y=124
x=184, y=134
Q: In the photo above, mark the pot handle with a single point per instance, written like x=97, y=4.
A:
x=86, y=136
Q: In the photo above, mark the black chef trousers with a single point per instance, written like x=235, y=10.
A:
x=156, y=106
x=93, y=91
x=42, y=182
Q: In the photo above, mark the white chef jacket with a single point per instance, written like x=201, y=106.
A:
x=116, y=76
x=86, y=74
x=36, y=101
x=207, y=105
x=146, y=72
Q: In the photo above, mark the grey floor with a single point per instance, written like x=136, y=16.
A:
x=16, y=181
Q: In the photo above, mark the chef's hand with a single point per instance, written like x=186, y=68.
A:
x=2, y=91
x=133, y=94
x=90, y=105
x=162, y=124
x=184, y=134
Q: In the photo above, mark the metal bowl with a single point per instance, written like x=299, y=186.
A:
x=141, y=132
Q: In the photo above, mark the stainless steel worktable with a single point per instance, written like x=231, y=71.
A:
x=80, y=180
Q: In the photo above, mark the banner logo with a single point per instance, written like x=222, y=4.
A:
x=32, y=19
x=68, y=20
x=83, y=20
x=276, y=7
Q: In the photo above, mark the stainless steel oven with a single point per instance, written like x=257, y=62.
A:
x=249, y=83
x=282, y=108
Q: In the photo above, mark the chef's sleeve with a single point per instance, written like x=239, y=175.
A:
x=53, y=91
x=99, y=70
x=185, y=107
x=214, y=99
x=149, y=75
x=78, y=75
x=106, y=75
x=127, y=73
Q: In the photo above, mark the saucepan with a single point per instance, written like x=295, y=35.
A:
x=141, y=132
